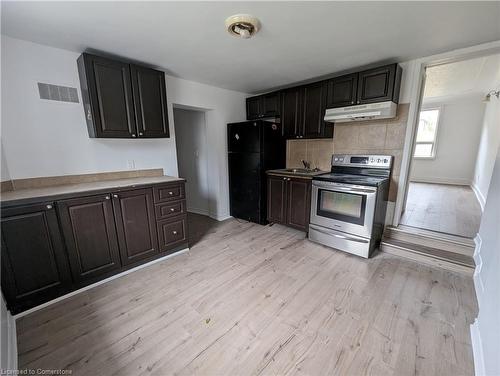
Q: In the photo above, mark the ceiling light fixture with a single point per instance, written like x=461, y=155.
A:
x=242, y=25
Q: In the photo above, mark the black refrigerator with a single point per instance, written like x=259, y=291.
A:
x=253, y=148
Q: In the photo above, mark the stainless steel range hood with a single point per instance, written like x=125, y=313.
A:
x=381, y=110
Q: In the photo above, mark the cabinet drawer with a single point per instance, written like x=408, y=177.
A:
x=172, y=232
x=170, y=209
x=170, y=192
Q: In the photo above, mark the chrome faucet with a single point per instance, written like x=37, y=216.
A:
x=307, y=165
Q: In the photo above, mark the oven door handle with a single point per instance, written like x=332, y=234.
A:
x=345, y=189
x=350, y=238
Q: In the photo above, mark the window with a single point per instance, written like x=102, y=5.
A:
x=426, y=134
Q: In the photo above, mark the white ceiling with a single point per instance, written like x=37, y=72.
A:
x=298, y=40
x=472, y=76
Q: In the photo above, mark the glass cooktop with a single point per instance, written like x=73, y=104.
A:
x=372, y=181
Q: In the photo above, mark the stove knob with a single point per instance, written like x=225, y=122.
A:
x=336, y=159
x=386, y=160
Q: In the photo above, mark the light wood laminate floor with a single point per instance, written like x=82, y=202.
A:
x=452, y=209
x=252, y=300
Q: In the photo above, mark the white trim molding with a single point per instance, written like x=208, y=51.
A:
x=53, y=301
x=477, y=349
x=479, y=195
x=439, y=180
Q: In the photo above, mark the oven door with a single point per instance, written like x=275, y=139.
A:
x=343, y=207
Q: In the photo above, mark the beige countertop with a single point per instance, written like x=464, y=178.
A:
x=298, y=174
x=59, y=191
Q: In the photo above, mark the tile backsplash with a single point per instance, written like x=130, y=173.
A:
x=317, y=152
x=385, y=136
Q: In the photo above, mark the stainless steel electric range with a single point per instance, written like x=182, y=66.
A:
x=348, y=205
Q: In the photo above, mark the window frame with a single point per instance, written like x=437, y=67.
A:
x=434, y=148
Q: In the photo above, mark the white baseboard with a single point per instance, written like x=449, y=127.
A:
x=198, y=211
x=219, y=218
x=98, y=283
x=477, y=349
x=438, y=180
x=479, y=195
x=11, y=343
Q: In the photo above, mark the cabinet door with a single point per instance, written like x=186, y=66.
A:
x=34, y=264
x=254, y=108
x=150, y=102
x=88, y=226
x=276, y=199
x=376, y=85
x=110, y=95
x=299, y=203
x=135, y=224
x=290, y=112
x=271, y=104
x=313, y=108
x=341, y=91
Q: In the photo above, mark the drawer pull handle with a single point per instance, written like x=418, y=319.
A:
x=174, y=232
x=115, y=196
x=107, y=197
x=172, y=209
x=49, y=206
x=170, y=193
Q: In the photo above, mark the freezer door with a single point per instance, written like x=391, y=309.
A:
x=244, y=137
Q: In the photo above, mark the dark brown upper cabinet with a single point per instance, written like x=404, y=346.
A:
x=290, y=112
x=122, y=100
x=135, y=225
x=264, y=106
x=379, y=84
x=89, y=230
x=150, y=102
x=341, y=91
x=303, y=110
x=34, y=263
x=313, y=112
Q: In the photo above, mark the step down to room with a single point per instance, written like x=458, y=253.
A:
x=446, y=251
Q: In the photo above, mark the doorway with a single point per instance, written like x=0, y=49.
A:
x=192, y=161
x=450, y=167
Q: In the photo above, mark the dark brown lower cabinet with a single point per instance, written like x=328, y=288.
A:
x=289, y=201
x=299, y=203
x=88, y=226
x=34, y=263
x=135, y=224
x=47, y=252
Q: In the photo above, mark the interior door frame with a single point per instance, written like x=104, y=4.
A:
x=417, y=82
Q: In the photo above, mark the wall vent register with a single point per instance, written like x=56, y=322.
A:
x=57, y=93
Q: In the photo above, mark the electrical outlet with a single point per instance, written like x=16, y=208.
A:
x=131, y=164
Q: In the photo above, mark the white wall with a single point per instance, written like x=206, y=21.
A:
x=486, y=329
x=46, y=138
x=459, y=132
x=488, y=145
x=191, y=140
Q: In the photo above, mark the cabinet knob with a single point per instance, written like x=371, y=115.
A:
x=352, y=102
x=115, y=196
x=172, y=209
x=133, y=134
x=284, y=178
x=107, y=197
x=174, y=232
x=89, y=114
x=140, y=134
x=170, y=193
x=358, y=102
x=288, y=179
x=49, y=206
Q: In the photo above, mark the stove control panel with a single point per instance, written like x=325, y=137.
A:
x=370, y=161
